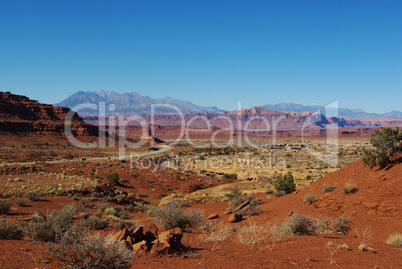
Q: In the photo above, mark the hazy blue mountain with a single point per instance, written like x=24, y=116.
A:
x=342, y=112
x=131, y=104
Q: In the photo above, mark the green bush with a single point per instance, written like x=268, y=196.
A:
x=32, y=196
x=386, y=142
x=113, y=178
x=230, y=176
x=285, y=183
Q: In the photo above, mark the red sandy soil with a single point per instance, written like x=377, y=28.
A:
x=376, y=205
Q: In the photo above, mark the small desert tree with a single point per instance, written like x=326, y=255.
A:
x=386, y=143
x=285, y=183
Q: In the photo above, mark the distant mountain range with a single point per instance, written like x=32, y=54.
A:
x=131, y=104
x=342, y=112
x=128, y=104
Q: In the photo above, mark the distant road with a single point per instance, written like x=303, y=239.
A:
x=162, y=149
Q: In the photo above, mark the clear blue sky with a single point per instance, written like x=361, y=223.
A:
x=207, y=52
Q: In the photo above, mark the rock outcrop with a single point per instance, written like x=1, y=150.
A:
x=146, y=239
x=19, y=114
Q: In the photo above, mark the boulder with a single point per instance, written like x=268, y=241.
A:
x=141, y=247
x=243, y=205
x=150, y=233
x=213, y=216
x=235, y=218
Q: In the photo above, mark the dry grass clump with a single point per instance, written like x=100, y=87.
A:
x=252, y=234
x=309, y=198
x=395, y=239
x=350, y=188
x=219, y=232
x=327, y=188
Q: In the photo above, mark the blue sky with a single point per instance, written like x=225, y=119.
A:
x=207, y=52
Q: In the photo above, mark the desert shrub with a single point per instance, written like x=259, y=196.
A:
x=309, y=198
x=129, y=208
x=350, y=188
x=113, y=178
x=40, y=231
x=32, y=196
x=125, y=224
x=386, y=143
x=230, y=176
x=85, y=203
x=269, y=191
x=4, y=206
x=395, y=239
x=172, y=215
x=342, y=225
x=102, y=207
x=251, y=234
x=80, y=250
x=142, y=195
x=324, y=225
x=327, y=188
x=92, y=223
x=20, y=203
x=279, y=194
x=111, y=211
x=285, y=183
x=299, y=225
x=9, y=230
x=48, y=229
x=233, y=194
